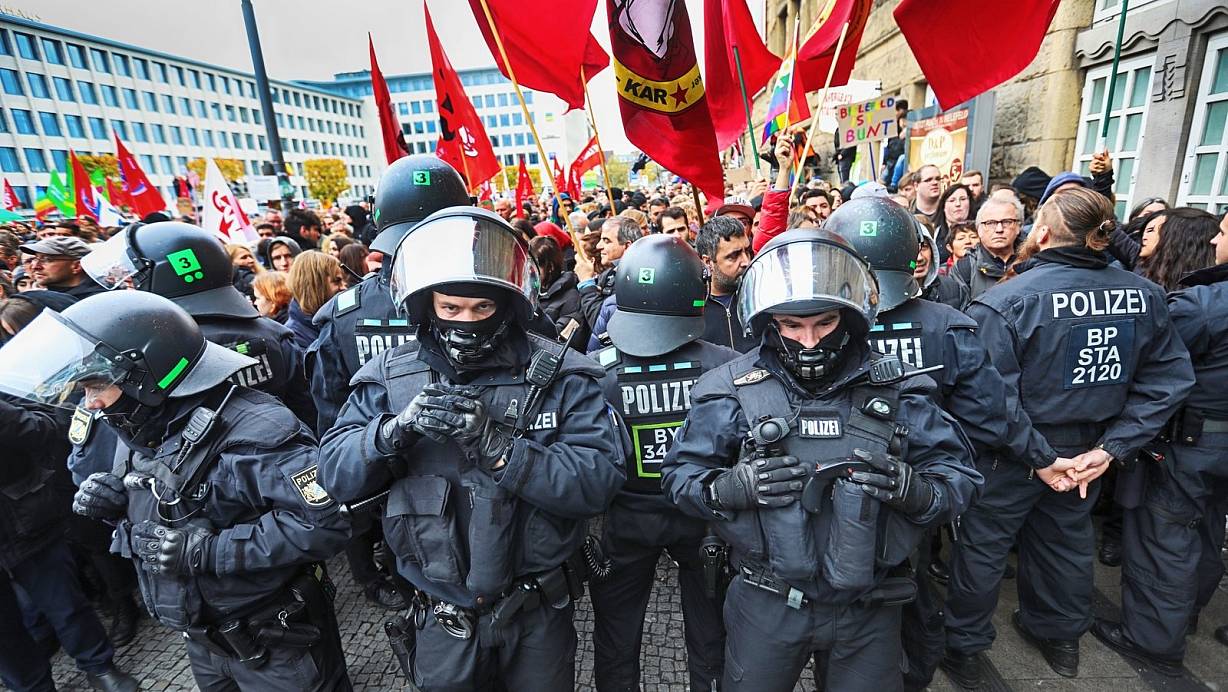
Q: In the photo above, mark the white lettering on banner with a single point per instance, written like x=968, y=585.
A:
x=907, y=349
x=651, y=398
x=1106, y=301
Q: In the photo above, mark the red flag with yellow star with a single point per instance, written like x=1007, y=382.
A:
x=660, y=93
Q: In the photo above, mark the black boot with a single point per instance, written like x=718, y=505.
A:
x=1110, y=552
x=384, y=594
x=1062, y=655
x=1111, y=635
x=124, y=621
x=113, y=680
x=963, y=669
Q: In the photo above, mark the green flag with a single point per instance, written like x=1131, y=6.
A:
x=6, y=216
x=61, y=195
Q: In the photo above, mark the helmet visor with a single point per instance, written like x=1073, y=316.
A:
x=454, y=249
x=805, y=278
x=50, y=363
x=110, y=265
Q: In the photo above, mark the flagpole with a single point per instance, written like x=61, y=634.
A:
x=797, y=26
x=699, y=208
x=750, y=125
x=605, y=175
x=524, y=107
x=814, y=124
x=1102, y=140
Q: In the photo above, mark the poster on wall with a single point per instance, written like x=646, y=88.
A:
x=941, y=141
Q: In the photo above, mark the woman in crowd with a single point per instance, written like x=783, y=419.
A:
x=332, y=244
x=954, y=206
x=960, y=240
x=280, y=253
x=558, y=296
x=271, y=291
x=353, y=258
x=245, y=267
x=314, y=278
x=1176, y=242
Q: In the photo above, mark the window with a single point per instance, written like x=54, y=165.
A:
x=428, y=106
x=121, y=65
x=98, y=128
x=35, y=161
x=5, y=49
x=25, y=46
x=38, y=85
x=528, y=97
x=76, y=56
x=88, y=95
x=4, y=125
x=176, y=134
x=1204, y=180
x=139, y=133
x=520, y=139
x=517, y=118
x=12, y=84
x=159, y=134
x=179, y=75
x=76, y=128
x=502, y=100
x=51, y=52
x=99, y=58
x=256, y=117
x=165, y=163
x=121, y=128
x=421, y=147
x=147, y=163
x=298, y=99
x=141, y=67
x=50, y=123
x=430, y=126
x=216, y=110
x=230, y=113
x=23, y=122
x=211, y=82
x=208, y=137
x=1127, y=118
x=243, y=115
x=403, y=108
x=59, y=159
x=489, y=99
x=130, y=99
x=225, y=85
x=63, y=89
x=151, y=101
x=260, y=140
x=505, y=120
x=185, y=105
x=8, y=160
x=159, y=71
x=533, y=158
x=194, y=79
x=236, y=140
x=193, y=137
x=200, y=109
x=251, y=141
x=419, y=128
x=110, y=95
x=168, y=103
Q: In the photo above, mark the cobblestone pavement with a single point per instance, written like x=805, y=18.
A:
x=157, y=656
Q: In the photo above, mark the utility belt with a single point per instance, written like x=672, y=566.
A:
x=890, y=591
x=1082, y=436
x=296, y=620
x=1188, y=425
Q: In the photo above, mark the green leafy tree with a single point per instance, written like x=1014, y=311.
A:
x=326, y=179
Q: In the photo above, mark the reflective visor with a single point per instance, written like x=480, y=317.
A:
x=49, y=362
x=805, y=278
x=461, y=248
x=109, y=264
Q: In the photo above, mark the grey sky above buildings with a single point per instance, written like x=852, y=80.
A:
x=313, y=39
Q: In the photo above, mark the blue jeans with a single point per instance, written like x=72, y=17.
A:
x=49, y=578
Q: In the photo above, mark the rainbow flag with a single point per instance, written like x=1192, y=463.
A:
x=43, y=206
x=786, y=105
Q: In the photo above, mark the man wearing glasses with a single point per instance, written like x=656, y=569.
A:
x=55, y=264
x=929, y=190
x=997, y=227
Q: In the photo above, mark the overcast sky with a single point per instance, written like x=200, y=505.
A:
x=313, y=39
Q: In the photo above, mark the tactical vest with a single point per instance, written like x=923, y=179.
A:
x=366, y=323
x=259, y=339
x=915, y=332
x=852, y=539
x=453, y=522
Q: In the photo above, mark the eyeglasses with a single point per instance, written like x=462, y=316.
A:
x=1004, y=224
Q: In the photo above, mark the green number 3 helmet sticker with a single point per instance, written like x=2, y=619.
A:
x=186, y=265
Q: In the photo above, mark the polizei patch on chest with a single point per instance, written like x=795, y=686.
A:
x=819, y=424
x=1104, y=301
x=309, y=487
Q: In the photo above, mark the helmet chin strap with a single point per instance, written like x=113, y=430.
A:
x=469, y=343
x=814, y=364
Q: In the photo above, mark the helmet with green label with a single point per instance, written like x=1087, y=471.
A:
x=174, y=260
x=885, y=234
x=140, y=342
x=659, y=293
x=411, y=189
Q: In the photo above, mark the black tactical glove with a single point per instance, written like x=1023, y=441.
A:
x=187, y=550
x=101, y=496
x=401, y=432
x=767, y=482
x=457, y=413
x=896, y=484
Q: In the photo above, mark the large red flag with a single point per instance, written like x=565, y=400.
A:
x=144, y=196
x=11, y=203
x=83, y=191
x=817, y=50
x=462, y=139
x=661, y=95
x=996, y=41
x=394, y=138
x=118, y=195
x=728, y=25
x=545, y=41
x=588, y=158
x=524, y=188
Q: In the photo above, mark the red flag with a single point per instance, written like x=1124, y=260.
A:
x=661, y=95
x=574, y=185
x=560, y=178
x=462, y=139
x=545, y=42
x=987, y=55
x=10, y=197
x=815, y=56
x=728, y=25
x=145, y=198
x=394, y=138
x=83, y=191
x=524, y=188
x=486, y=194
x=588, y=158
x=118, y=195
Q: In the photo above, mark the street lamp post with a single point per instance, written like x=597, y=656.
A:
x=266, y=107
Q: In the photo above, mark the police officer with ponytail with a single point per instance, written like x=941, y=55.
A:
x=656, y=359
x=821, y=465
x=1094, y=368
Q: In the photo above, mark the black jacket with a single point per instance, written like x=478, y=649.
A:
x=33, y=508
x=560, y=301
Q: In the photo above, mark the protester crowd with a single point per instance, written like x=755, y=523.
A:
x=1021, y=473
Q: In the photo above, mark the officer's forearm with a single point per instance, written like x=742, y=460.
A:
x=351, y=465
x=281, y=538
x=570, y=480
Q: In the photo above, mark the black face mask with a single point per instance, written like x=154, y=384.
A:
x=127, y=416
x=811, y=365
x=469, y=343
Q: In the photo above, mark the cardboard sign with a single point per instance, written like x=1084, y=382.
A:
x=868, y=121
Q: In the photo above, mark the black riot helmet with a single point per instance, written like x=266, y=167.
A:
x=411, y=189
x=660, y=292
x=143, y=343
x=885, y=234
x=175, y=260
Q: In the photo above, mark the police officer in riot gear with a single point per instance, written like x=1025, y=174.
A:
x=188, y=265
x=494, y=445
x=1094, y=368
x=214, y=488
x=821, y=465
x=655, y=360
x=1174, y=520
x=924, y=334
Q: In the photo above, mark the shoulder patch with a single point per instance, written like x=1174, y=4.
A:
x=607, y=356
x=347, y=301
x=81, y=426
x=309, y=488
x=756, y=375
